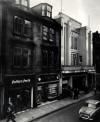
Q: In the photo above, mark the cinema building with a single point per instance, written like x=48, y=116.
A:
x=30, y=55
x=76, y=54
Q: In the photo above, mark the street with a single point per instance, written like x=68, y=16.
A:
x=68, y=114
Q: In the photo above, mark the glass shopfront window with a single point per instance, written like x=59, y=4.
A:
x=19, y=89
x=21, y=98
x=52, y=91
x=39, y=95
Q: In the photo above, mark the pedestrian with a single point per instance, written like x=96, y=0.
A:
x=74, y=93
x=10, y=111
x=77, y=92
x=95, y=90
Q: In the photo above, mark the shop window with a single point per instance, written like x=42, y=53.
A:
x=45, y=32
x=27, y=28
x=52, y=91
x=21, y=57
x=18, y=25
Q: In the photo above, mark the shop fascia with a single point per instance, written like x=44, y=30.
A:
x=21, y=81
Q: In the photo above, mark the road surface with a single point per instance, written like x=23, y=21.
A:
x=68, y=114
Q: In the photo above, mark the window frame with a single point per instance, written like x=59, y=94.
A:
x=45, y=32
x=51, y=35
x=22, y=57
x=18, y=25
x=28, y=29
x=49, y=12
x=22, y=27
x=74, y=59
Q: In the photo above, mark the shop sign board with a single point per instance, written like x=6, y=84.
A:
x=18, y=81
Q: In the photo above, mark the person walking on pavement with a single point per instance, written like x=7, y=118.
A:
x=10, y=111
x=77, y=92
x=95, y=90
x=74, y=93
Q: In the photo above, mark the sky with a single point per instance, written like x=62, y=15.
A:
x=85, y=11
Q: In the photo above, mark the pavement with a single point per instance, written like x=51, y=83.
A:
x=47, y=108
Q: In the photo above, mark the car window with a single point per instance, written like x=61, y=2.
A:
x=91, y=105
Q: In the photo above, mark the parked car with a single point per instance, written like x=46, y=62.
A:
x=91, y=111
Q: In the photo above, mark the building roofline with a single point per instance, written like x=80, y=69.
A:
x=32, y=14
x=41, y=4
x=60, y=13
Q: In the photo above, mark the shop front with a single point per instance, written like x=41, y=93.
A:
x=19, y=89
x=66, y=86
x=47, y=91
x=74, y=81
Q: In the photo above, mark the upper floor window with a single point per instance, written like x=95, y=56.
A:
x=45, y=32
x=17, y=52
x=49, y=57
x=22, y=2
x=45, y=57
x=27, y=28
x=80, y=60
x=51, y=35
x=21, y=57
x=74, y=43
x=74, y=59
x=26, y=57
x=49, y=11
x=22, y=27
x=46, y=10
x=48, y=34
x=18, y=25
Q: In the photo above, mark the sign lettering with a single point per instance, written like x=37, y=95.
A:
x=20, y=81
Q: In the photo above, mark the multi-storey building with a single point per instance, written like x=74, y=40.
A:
x=96, y=56
x=48, y=80
x=30, y=55
x=76, y=54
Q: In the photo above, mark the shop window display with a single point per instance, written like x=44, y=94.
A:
x=21, y=99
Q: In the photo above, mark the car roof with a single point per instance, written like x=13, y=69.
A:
x=93, y=101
